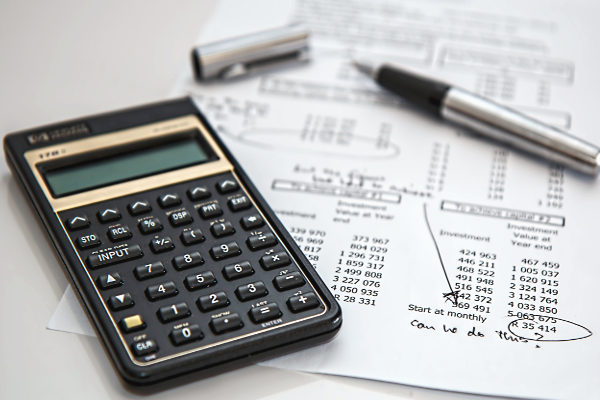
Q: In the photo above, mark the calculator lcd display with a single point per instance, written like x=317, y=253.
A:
x=119, y=168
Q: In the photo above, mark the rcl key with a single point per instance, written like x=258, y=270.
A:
x=119, y=232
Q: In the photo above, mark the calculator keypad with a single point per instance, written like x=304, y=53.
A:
x=189, y=265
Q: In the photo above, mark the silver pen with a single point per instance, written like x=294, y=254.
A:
x=487, y=117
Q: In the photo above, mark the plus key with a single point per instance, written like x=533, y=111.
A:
x=303, y=302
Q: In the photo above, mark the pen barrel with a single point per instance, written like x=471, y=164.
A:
x=511, y=127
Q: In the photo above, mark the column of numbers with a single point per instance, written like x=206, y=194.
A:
x=310, y=242
x=359, y=271
x=474, y=280
x=534, y=286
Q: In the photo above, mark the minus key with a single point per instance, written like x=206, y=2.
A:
x=288, y=281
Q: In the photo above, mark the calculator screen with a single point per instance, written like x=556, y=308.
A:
x=97, y=172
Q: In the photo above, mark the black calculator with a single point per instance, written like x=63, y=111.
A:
x=179, y=260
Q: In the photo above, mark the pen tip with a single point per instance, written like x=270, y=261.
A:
x=365, y=67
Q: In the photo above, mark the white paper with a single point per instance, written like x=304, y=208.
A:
x=69, y=317
x=459, y=264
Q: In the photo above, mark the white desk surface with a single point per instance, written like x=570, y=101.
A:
x=62, y=59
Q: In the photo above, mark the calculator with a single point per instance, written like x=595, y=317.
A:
x=178, y=259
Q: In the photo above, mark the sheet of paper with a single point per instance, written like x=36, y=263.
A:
x=459, y=264
x=69, y=317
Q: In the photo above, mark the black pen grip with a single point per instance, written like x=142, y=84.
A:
x=420, y=91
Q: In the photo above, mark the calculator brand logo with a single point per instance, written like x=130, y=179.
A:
x=58, y=133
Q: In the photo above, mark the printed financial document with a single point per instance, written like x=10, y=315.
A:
x=459, y=263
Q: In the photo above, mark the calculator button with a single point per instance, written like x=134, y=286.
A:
x=109, y=215
x=198, y=193
x=261, y=241
x=200, y=281
x=288, y=281
x=303, y=302
x=87, y=241
x=174, y=312
x=150, y=270
x=222, y=229
x=227, y=323
x=210, y=210
x=252, y=221
x=150, y=225
x=227, y=186
x=251, y=291
x=188, y=260
x=166, y=289
x=108, y=281
x=191, y=237
x=225, y=250
x=144, y=347
x=213, y=301
x=239, y=203
x=265, y=313
x=161, y=244
x=239, y=270
x=78, y=222
x=139, y=207
x=120, y=302
x=186, y=334
x=119, y=232
x=132, y=323
x=114, y=256
x=169, y=200
x=276, y=260
x=179, y=218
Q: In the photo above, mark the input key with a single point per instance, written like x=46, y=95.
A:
x=114, y=256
